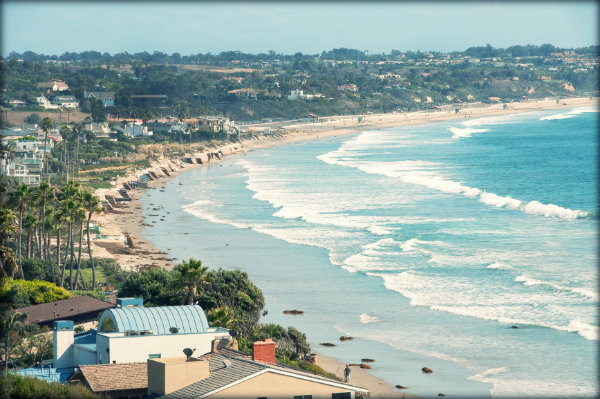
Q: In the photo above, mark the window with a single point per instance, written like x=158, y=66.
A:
x=342, y=395
x=303, y=397
x=108, y=325
x=154, y=356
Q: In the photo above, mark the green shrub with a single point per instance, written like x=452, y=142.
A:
x=24, y=293
x=23, y=387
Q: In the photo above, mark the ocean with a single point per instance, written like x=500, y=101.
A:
x=469, y=247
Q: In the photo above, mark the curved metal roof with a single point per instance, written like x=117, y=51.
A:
x=187, y=319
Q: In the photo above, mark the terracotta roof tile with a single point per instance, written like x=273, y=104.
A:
x=116, y=377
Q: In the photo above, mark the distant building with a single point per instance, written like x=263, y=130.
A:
x=107, y=97
x=66, y=102
x=134, y=129
x=54, y=85
x=351, y=87
x=149, y=99
x=44, y=102
x=100, y=130
x=17, y=103
x=299, y=94
x=250, y=93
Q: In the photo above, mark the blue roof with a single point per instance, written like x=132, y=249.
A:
x=49, y=374
x=187, y=319
x=86, y=339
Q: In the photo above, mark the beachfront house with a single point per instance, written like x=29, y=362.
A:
x=228, y=373
x=100, y=130
x=133, y=129
x=131, y=333
x=137, y=351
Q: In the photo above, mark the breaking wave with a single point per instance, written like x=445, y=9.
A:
x=426, y=174
x=458, y=133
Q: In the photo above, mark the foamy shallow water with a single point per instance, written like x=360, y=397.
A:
x=417, y=241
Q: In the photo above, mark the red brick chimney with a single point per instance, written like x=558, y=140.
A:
x=264, y=351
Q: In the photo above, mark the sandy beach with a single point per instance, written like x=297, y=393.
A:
x=128, y=220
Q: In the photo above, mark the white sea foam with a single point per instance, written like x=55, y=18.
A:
x=488, y=372
x=528, y=281
x=428, y=174
x=498, y=265
x=366, y=318
x=380, y=231
x=458, y=133
x=586, y=330
x=557, y=116
x=490, y=120
x=466, y=297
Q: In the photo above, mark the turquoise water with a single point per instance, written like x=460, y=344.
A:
x=426, y=243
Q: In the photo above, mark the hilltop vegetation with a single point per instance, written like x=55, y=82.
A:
x=341, y=81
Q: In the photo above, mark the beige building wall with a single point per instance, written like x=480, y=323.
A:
x=168, y=375
x=274, y=386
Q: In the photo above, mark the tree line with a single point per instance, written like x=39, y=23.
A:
x=34, y=220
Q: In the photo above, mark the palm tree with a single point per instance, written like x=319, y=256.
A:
x=77, y=129
x=191, y=276
x=30, y=224
x=47, y=124
x=18, y=198
x=8, y=226
x=44, y=192
x=12, y=322
x=90, y=204
x=50, y=226
x=67, y=210
x=65, y=215
x=79, y=218
x=65, y=131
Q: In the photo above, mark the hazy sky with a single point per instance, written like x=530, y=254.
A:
x=309, y=27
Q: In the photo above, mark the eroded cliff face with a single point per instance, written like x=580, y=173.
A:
x=568, y=86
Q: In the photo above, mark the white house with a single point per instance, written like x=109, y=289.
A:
x=44, y=102
x=54, y=85
x=134, y=129
x=99, y=129
x=66, y=102
x=132, y=333
x=299, y=94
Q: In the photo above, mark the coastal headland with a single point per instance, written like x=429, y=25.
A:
x=121, y=228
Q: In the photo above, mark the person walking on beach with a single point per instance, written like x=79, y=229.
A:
x=347, y=373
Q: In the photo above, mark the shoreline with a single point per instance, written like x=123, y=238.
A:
x=131, y=220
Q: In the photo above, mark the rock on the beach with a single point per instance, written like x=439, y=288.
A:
x=441, y=395
x=294, y=311
x=367, y=360
x=364, y=366
x=130, y=242
x=426, y=370
x=326, y=344
x=343, y=338
x=401, y=387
